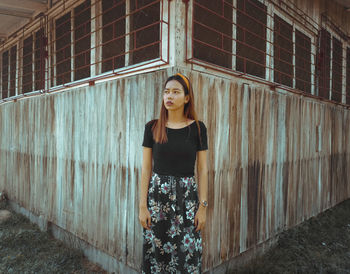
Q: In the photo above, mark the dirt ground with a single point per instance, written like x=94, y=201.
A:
x=319, y=245
x=26, y=249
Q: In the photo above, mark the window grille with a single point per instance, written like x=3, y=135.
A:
x=251, y=37
x=5, y=74
x=337, y=71
x=144, y=30
x=279, y=44
x=324, y=65
x=39, y=59
x=212, y=31
x=302, y=62
x=283, y=52
x=91, y=40
x=82, y=40
x=27, y=66
x=113, y=34
x=13, y=67
x=63, y=49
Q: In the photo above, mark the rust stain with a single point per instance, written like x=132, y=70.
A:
x=72, y=178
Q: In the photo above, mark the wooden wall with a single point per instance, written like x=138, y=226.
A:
x=274, y=160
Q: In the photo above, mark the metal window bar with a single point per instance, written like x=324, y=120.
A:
x=301, y=56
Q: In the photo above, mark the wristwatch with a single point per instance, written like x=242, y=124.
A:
x=204, y=203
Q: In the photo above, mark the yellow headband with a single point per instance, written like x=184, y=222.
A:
x=186, y=81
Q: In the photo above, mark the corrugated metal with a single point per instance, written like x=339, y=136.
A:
x=266, y=170
x=75, y=157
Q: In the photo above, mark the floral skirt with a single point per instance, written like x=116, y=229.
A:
x=172, y=245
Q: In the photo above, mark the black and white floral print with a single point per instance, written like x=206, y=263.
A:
x=172, y=245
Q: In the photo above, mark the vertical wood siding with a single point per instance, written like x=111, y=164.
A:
x=75, y=158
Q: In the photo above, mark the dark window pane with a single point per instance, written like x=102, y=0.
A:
x=82, y=43
x=5, y=74
x=212, y=32
x=113, y=34
x=13, y=67
x=251, y=37
x=39, y=60
x=337, y=70
x=324, y=64
x=283, y=52
x=145, y=30
x=63, y=49
x=302, y=61
x=27, y=69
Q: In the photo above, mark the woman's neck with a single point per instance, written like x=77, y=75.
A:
x=176, y=117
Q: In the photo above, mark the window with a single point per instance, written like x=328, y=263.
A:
x=39, y=59
x=145, y=30
x=63, y=49
x=330, y=66
x=113, y=34
x=283, y=52
x=27, y=68
x=348, y=76
x=212, y=31
x=13, y=68
x=5, y=74
x=302, y=62
x=235, y=35
x=337, y=71
x=324, y=64
x=251, y=37
x=128, y=44
x=82, y=40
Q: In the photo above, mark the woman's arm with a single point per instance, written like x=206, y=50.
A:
x=202, y=171
x=146, y=172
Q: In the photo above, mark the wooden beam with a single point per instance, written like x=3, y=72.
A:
x=39, y=1
x=15, y=13
x=24, y=5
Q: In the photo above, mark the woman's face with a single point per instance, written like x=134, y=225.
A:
x=174, y=96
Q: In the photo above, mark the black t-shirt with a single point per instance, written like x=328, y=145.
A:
x=176, y=157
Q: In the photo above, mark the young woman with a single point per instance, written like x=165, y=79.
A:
x=172, y=207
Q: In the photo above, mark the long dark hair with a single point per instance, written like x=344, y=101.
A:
x=158, y=128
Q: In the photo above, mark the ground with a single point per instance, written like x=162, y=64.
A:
x=319, y=245
x=26, y=249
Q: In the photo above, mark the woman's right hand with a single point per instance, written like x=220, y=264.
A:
x=145, y=217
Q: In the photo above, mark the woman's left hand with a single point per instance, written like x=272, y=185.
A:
x=200, y=218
